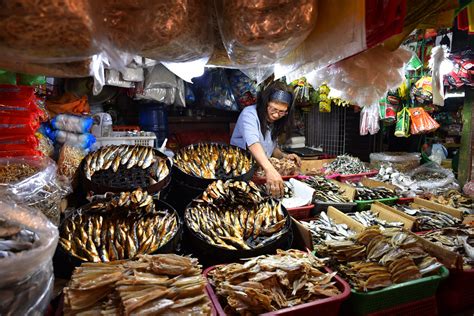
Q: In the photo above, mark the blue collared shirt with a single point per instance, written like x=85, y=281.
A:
x=247, y=132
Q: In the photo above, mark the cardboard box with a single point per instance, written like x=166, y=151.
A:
x=385, y=213
x=341, y=218
x=399, y=213
x=349, y=190
x=437, y=207
x=313, y=164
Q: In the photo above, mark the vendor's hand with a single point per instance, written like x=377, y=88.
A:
x=295, y=158
x=275, y=184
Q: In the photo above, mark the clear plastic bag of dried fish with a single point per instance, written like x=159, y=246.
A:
x=273, y=282
x=214, y=161
x=139, y=163
x=165, y=284
x=27, y=244
x=375, y=259
x=346, y=164
x=233, y=215
x=32, y=182
x=122, y=227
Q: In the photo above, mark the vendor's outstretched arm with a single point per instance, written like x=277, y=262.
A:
x=274, y=180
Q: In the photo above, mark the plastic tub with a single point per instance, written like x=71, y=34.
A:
x=426, y=306
x=356, y=177
x=327, y=307
x=361, y=303
x=365, y=205
x=301, y=212
x=456, y=293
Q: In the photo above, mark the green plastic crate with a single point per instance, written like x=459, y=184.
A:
x=365, y=205
x=363, y=303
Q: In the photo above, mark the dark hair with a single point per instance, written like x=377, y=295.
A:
x=263, y=98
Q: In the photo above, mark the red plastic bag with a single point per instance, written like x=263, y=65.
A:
x=21, y=153
x=10, y=126
x=421, y=121
x=18, y=142
x=19, y=100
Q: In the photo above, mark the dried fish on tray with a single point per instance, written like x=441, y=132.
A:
x=272, y=282
x=370, y=218
x=234, y=215
x=165, y=284
x=214, y=161
x=452, y=198
x=126, y=226
x=367, y=194
x=325, y=229
x=375, y=259
x=325, y=190
x=346, y=164
x=459, y=240
x=427, y=219
x=284, y=166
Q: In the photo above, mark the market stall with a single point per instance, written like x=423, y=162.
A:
x=123, y=189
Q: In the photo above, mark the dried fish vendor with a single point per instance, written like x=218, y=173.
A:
x=259, y=126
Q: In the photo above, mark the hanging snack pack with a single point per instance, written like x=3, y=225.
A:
x=324, y=101
x=422, y=122
x=402, y=128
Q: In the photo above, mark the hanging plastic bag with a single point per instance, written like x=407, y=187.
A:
x=68, y=104
x=32, y=182
x=72, y=123
x=33, y=31
x=369, y=120
x=258, y=33
x=402, y=128
x=27, y=276
x=166, y=30
x=437, y=176
x=422, y=122
x=84, y=141
x=10, y=125
x=18, y=143
x=215, y=90
x=324, y=101
x=243, y=88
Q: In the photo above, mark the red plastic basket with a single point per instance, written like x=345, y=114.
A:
x=327, y=307
x=356, y=177
x=426, y=306
x=405, y=200
x=301, y=212
x=456, y=293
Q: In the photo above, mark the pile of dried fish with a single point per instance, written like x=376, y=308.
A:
x=212, y=161
x=14, y=239
x=237, y=227
x=325, y=229
x=369, y=218
x=367, y=194
x=232, y=192
x=405, y=184
x=12, y=172
x=102, y=233
x=428, y=219
x=153, y=285
x=137, y=201
x=452, y=198
x=346, y=164
x=127, y=156
x=325, y=190
x=459, y=240
x=288, y=190
x=270, y=283
x=377, y=259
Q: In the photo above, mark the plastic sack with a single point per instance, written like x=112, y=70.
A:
x=369, y=120
x=84, y=141
x=114, y=78
x=422, y=122
x=243, y=88
x=165, y=30
x=72, y=123
x=401, y=161
x=402, y=127
x=432, y=176
x=18, y=143
x=438, y=153
x=215, y=90
x=256, y=33
x=70, y=158
x=161, y=85
x=68, y=103
x=27, y=278
x=32, y=182
x=32, y=31
x=10, y=125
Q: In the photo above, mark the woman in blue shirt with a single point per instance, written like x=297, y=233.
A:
x=259, y=126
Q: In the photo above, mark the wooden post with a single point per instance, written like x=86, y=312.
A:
x=467, y=139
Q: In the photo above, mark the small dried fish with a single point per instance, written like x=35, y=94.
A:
x=366, y=194
x=152, y=285
x=284, y=166
x=427, y=219
x=325, y=190
x=369, y=218
x=272, y=282
x=211, y=161
x=325, y=229
x=14, y=239
x=346, y=164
